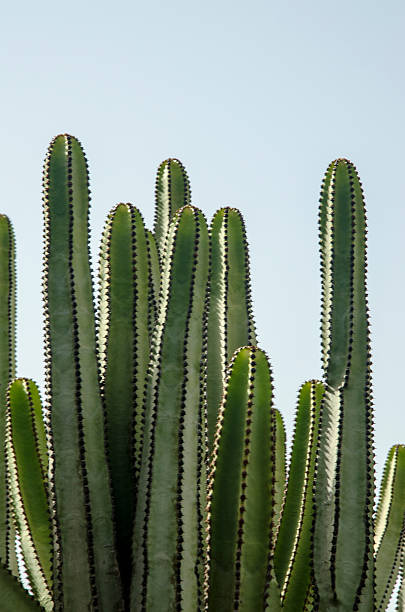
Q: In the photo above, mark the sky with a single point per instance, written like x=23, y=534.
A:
x=256, y=99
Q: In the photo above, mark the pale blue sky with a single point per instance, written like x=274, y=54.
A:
x=256, y=99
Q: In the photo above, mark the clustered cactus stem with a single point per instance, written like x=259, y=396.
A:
x=154, y=478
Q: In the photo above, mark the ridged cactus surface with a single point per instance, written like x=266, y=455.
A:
x=172, y=192
x=7, y=372
x=27, y=466
x=343, y=538
x=293, y=557
x=230, y=323
x=241, y=496
x=167, y=536
x=125, y=321
x=85, y=566
x=154, y=479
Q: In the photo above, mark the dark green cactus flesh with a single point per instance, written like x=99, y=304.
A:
x=7, y=372
x=168, y=516
x=172, y=191
x=85, y=572
x=126, y=313
x=343, y=538
x=230, y=322
x=241, y=496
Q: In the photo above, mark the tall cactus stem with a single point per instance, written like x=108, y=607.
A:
x=125, y=314
x=167, y=523
x=7, y=372
x=343, y=537
x=85, y=571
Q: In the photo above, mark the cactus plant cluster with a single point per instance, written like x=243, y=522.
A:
x=154, y=475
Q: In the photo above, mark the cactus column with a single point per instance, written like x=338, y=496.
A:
x=170, y=498
x=343, y=538
x=86, y=572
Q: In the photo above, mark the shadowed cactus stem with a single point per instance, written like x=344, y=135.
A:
x=126, y=317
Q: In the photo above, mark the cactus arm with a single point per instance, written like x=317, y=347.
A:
x=280, y=466
x=7, y=372
x=230, y=319
x=27, y=468
x=167, y=517
x=86, y=568
x=240, y=490
x=345, y=480
x=123, y=337
x=172, y=191
x=389, y=526
x=13, y=596
x=293, y=551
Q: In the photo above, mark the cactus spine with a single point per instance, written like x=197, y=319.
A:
x=343, y=538
x=85, y=573
x=168, y=514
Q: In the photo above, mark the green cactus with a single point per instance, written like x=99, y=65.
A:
x=7, y=372
x=116, y=501
x=172, y=191
x=293, y=556
x=230, y=323
x=168, y=515
x=85, y=566
x=27, y=467
x=241, y=495
x=390, y=526
x=126, y=312
x=343, y=538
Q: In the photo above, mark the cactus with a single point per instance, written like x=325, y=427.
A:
x=111, y=491
x=169, y=503
x=7, y=372
x=293, y=557
x=126, y=312
x=230, y=323
x=172, y=192
x=343, y=538
x=240, y=574
x=27, y=462
x=85, y=567
x=390, y=526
